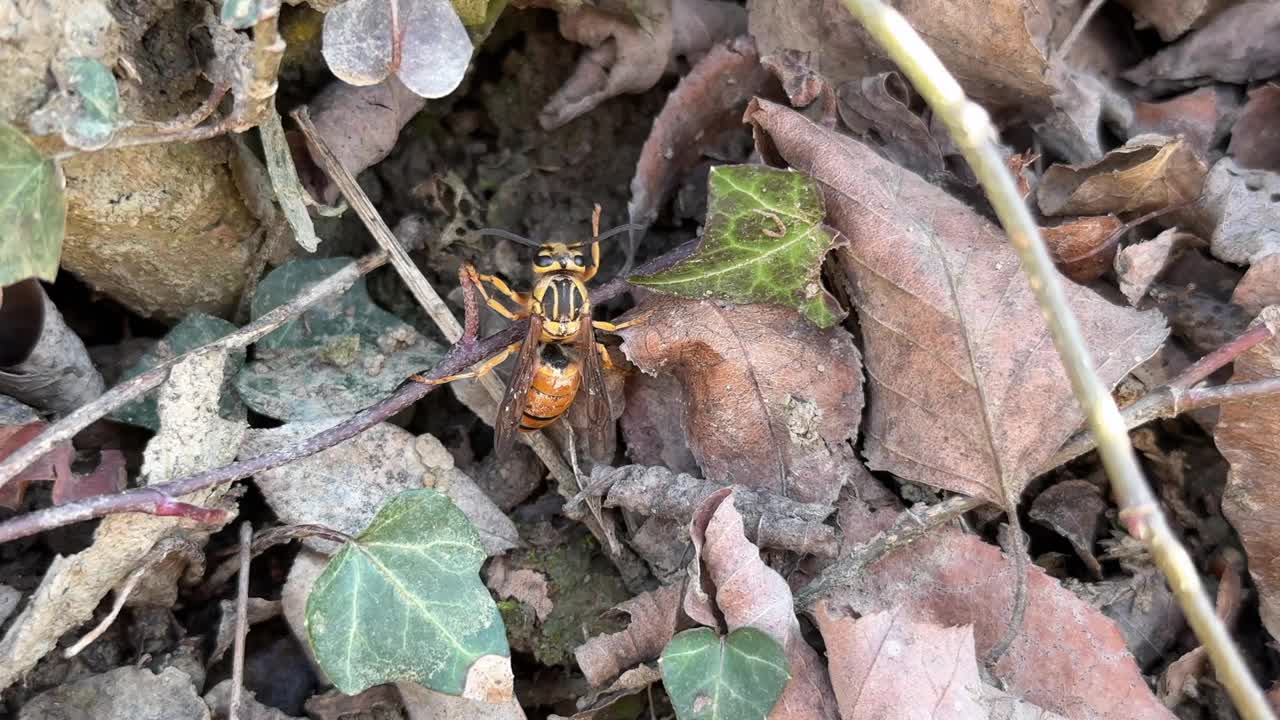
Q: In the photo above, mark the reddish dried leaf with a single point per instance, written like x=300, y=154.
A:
x=771, y=402
x=1149, y=173
x=732, y=581
x=880, y=107
x=1255, y=138
x=802, y=83
x=1201, y=117
x=887, y=665
x=707, y=101
x=1260, y=285
x=1246, y=435
x=1237, y=46
x=55, y=466
x=1067, y=658
x=1076, y=510
x=528, y=586
x=109, y=477
x=1172, y=18
x=925, y=270
x=1083, y=248
x=653, y=623
x=1138, y=266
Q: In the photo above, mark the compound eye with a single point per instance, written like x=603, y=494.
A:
x=543, y=261
x=579, y=260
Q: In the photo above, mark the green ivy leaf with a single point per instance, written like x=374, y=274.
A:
x=405, y=601
x=33, y=210
x=340, y=356
x=737, y=677
x=97, y=105
x=764, y=243
x=195, y=330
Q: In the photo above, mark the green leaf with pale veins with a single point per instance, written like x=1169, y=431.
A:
x=33, y=210
x=97, y=104
x=764, y=243
x=736, y=677
x=405, y=601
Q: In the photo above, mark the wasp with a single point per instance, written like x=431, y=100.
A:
x=559, y=352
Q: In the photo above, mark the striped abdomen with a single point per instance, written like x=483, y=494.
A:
x=552, y=390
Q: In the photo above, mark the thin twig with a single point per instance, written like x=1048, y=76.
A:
x=136, y=387
x=148, y=499
x=262, y=542
x=973, y=132
x=910, y=526
x=1172, y=398
x=242, y=622
x=1081, y=23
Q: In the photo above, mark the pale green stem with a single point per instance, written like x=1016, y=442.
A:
x=973, y=132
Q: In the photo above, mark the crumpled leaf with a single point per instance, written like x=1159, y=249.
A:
x=764, y=242
x=33, y=211
x=1238, y=213
x=1255, y=137
x=1149, y=173
x=653, y=624
x=922, y=283
x=1083, y=248
x=86, y=109
x=284, y=181
x=430, y=54
x=55, y=466
x=886, y=665
x=630, y=54
x=195, y=330
x=1076, y=510
x=1172, y=18
x=343, y=486
x=1140, y=265
x=340, y=356
x=404, y=601
x=1236, y=46
x=1260, y=285
x=731, y=581
x=878, y=109
x=1202, y=117
x=707, y=101
x=1246, y=435
x=771, y=402
x=736, y=677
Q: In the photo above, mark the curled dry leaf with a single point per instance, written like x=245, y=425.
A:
x=1238, y=213
x=1083, y=248
x=55, y=466
x=771, y=520
x=1140, y=265
x=653, y=423
x=1202, y=117
x=1236, y=46
x=940, y=293
x=888, y=665
x=1172, y=18
x=1260, y=285
x=527, y=586
x=1149, y=173
x=1246, y=435
x=880, y=107
x=1255, y=138
x=626, y=57
x=732, y=582
x=1076, y=510
x=802, y=83
x=771, y=402
x=653, y=623
x=707, y=101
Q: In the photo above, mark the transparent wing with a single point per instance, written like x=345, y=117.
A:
x=507, y=422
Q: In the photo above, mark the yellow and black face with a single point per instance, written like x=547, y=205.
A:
x=559, y=257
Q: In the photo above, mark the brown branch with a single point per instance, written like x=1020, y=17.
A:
x=134, y=388
x=242, y=622
x=262, y=542
x=149, y=499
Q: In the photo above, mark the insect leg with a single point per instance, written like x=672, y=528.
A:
x=488, y=365
x=521, y=299
x=609, y=327
x=604, y=356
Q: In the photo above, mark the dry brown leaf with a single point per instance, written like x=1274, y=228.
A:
x=1140, y=265
x=707, y=101
x=802, y=83
x=1067, y=658
x=734, y=583
x=653, y=423
x=1246, y=435
x=909, y=243
x=527, y=586
x=653, y=623
x=880, y=107
x=1076, y=510
x=1238, y=213
x=625, y=57
x=1186, y=670
x=1149, y=173
x=1172, y=18
x=55, y=465
x=1255, y=138
x=1202, y=117
x=1083, y=248
x=1260, y=285
x=885, y=665
x=1236, y=46
x=771, y=402
x=596, y=705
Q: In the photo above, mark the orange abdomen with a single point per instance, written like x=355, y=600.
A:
x=552, y=391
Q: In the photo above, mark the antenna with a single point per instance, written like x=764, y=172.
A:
x=495, y=232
